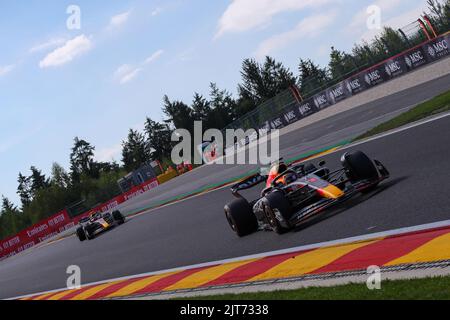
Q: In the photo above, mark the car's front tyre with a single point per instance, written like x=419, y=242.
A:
x=118, y=217
x=240, y=217
x=276, y=203
x=81, y=234
x=360, y=167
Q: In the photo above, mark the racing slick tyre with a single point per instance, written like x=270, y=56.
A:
x=276, y=201
x=118, y=217
x=241, y=218
x=360, y=167
x=80, y=234
x=89, y=233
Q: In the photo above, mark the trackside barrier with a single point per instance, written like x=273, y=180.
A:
x=383, y=72
x=271, y=116
x=167, y=176
x=61, y=222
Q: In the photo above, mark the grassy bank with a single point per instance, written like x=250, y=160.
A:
x=436, y=105
x=428, y=289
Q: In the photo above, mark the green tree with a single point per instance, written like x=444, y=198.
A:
x=341, y=64
x=392, y=40
x=178, y=114
x=223, y=108
x=9, y=218
x=159, y=143
x=440, y=14
x=312, y=77
x=24, y=190
x=134, y=150
x=261, y=82
x=59, y=176
x=38, y=181
x=82, y=160
x=201, y=109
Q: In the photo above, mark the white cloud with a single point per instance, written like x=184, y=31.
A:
x=244, y=15
x=109, y=154
x=52, y=43
x=4, y=70
x=308, y=28
x=120, y=19
x=157, y=11
x=154, y=56
x=126, y=72
x=68, y=52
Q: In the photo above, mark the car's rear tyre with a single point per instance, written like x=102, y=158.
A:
x=80, y=234
x=241, y=218
x=276, y=201
x=360, y=167
x=118, y=217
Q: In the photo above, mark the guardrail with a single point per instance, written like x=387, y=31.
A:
x=288, y=108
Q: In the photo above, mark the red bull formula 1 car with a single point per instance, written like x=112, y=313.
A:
x=297, y=193
x=97, y=223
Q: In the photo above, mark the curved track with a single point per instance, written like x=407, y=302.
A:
x=195, y=230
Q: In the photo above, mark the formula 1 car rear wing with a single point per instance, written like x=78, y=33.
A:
x=248, y=183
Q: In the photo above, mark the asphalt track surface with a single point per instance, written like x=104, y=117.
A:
x=195, y=230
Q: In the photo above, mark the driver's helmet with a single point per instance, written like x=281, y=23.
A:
x=96, y=216
x=275, y=170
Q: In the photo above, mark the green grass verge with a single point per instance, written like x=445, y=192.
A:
x=437, y=288
x=436, y=105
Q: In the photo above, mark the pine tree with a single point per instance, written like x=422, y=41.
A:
x=158, y=139
x=82, y=160
x=178, y=114
x=134, y=150
x=312, y=77
x=59, y=176
x=261, y=82
x=24, y=190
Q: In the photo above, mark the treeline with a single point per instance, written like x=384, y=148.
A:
x=96, y=182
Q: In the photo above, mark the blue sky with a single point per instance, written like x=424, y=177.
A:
x=101, y=80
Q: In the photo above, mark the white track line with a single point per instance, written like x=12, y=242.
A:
x=423, y=227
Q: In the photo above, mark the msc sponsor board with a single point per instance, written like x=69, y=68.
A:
x=381, y=73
